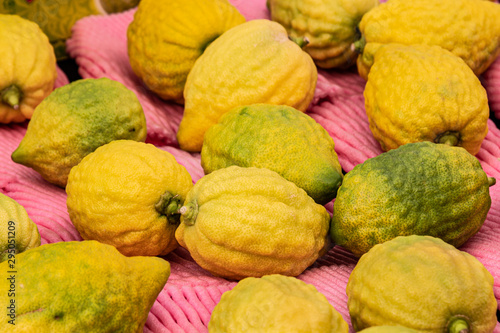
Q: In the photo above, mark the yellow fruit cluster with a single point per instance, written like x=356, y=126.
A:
x=254, y=217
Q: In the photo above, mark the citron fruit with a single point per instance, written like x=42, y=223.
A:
x=254, y=62
x=57, y=17
x=127, y=194
x=82, y=286
x=239, y=222
x=27, y=70
x=275, y=303
x=165, y=39
x=73, y=121
x=422, y=283
x=330, y=27
x=420, y=92
x=279, y=138
x=467, y=28
x=19, y=234
x=420, y=188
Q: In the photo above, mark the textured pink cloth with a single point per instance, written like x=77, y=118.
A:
x=99, y=46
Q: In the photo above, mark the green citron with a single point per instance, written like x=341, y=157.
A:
x=57, y=17
x=422, y=283
x=76, y=119
x=467, y=28
x=279, y=138
x=81, y=286
x=420, y=188
x=329, y=26
x=19, y=233
x=239, y=222
x=275, y=303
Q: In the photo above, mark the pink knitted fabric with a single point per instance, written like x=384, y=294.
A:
x=99, y=46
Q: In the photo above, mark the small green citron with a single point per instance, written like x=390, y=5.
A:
x=421, y=92
x=279, y=138
x=28, y=68
x=275, y=303
x=20, y=233
x=127, y=194
x=329, y=26
x=467, y=28
x=82, y=287
x=420, y=188
x=239, y=222
x=254, y=62
x=73, y=121
x=165, y=39
x=422, y=283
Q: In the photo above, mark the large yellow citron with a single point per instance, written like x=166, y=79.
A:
x=165, y=39
x=238, y=222
x=467, y=28
x=423, y=93
x=254, y=62
x=27, y=68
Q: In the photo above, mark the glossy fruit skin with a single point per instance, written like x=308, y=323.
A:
x=20, y=232
x=76, y=119
x=239, y=222
x=467, y=28
x=279, y=138
x=165, y=39
x=419, y=92
x=28, y=66
x=276, y=72
x=422, y=283
x=275, y=303
x=127, y=194
x=330, y=27
x=82, y=286
x=420, y=188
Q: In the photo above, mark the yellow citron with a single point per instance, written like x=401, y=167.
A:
x=423, y=93
x=19, y=233
x=330, y=26
x=27, y=68
x=238, y=222
x=467, y=28
x=165, y=39
x=127, y=194
x=85, y=286
x=57, y=17
x=290, y=304
x=254, y=62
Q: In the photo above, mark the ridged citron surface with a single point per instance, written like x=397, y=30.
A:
x=239, y=222
x=420, y=188
x=255, y=62
x=82, y=286
x=165, y=39
x=467, y=28
x=20, y=233
x=127, y=194
x=27, y=69
x=330, y=27
x=73, y=121
x=279, y=138
x=419, y=92
x=424, y=284
x=275, y=303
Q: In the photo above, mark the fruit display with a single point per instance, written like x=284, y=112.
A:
x=308, y=176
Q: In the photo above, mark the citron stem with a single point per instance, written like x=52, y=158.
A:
x=11, y=96
x=458, y=325
x=189, y=212
x=491, y=181
x=300, y=41
x=169, y=205
x=359, y=45
x=449, y=138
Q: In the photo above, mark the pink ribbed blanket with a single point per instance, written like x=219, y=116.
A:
x=99, y=46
